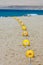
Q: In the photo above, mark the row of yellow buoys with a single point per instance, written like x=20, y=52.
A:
x=23, y=27
x=26, y=42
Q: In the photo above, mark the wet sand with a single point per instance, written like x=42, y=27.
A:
x=11, y=50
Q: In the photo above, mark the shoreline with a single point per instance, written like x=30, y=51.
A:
x=22, y=7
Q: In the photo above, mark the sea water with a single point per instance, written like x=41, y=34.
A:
x=7, y=12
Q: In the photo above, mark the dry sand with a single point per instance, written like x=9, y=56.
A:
x=21, y=2
x=11, y=50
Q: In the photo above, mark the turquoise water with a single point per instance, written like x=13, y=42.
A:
x=20, y=12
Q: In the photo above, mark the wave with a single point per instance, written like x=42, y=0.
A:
x=32, y=14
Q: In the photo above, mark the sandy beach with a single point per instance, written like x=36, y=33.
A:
x=21, y=2
x=11, y=50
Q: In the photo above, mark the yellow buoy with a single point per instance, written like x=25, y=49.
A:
x=17, y=19
x=24, y=33
x=26, y=42
x=30, y=53
x=22, y=24
x=24, y=27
